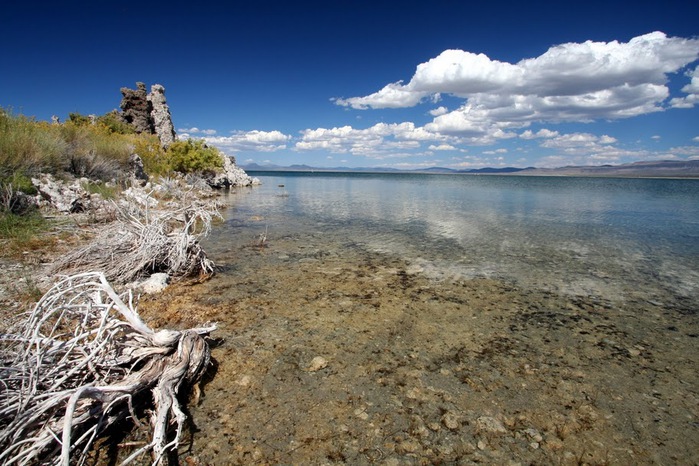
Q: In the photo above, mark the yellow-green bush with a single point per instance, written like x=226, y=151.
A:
x=95, y=152
x=96, y=148
x=155, y=160
x=115, y=124
x=194, y=156
x=28, y=147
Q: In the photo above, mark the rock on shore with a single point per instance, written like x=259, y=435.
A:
x=231, y=176
x=160, y=113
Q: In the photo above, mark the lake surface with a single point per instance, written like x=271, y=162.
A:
x=439, y=319
x=607, y=238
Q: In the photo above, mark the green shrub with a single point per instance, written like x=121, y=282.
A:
x=194, y=156
x=79, y=120
x=28, y=147
x=21, y=227
x=19, y=182
x=155, y=160
x=106, y=190
x=95, y=152
x=114, y=124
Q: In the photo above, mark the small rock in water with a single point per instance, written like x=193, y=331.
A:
x=155, y=283
x=451, y=421
x=317, y=364
x=244, y=381
x=490, y=424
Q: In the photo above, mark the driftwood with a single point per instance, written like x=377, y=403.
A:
x=72, y=369
x=143, y=241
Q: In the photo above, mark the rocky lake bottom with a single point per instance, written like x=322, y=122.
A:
x=339, y=354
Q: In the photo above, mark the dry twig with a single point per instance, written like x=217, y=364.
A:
x=144, y=241
x=73, y=367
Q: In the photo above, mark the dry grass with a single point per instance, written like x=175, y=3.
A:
x=143, y=242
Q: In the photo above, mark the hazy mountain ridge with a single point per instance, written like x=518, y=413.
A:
x=658, y=168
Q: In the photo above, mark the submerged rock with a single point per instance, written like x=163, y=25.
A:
x=317, y=364
x=490, y=425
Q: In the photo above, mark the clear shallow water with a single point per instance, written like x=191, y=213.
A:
x=609, y=238
x=592, y=350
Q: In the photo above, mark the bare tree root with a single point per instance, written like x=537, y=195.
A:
x=72, y=369
x=143, y=241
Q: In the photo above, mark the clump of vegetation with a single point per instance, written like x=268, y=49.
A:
x=194, y=156
x=93, y=151
x=97, y=148
x=20, y=228
x=154, y=157
x=105, y=190
x=28, y=147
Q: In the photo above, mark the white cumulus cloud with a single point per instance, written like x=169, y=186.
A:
x=569, y=82
x=586, y=149
x=438, y=111
x=195, y=130
x=256, y=141
x=376, y=141
x=692, y=90
x=542, y=133
x=441, y=147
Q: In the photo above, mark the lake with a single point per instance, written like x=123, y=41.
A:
x=438, y=319
x=587, y=236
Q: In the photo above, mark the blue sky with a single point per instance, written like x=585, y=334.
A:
x=366, y=84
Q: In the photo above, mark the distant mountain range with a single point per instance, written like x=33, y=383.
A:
x=660, y=168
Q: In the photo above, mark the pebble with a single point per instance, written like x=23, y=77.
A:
x=451, y=421
x=534, y=435
x=361, y=413
x=155, y=283
x=308, y=260
x=317, y=364
x=408, y=446
x=490, y=424
x=413, y=393
x=434, y=426
x=244, y=381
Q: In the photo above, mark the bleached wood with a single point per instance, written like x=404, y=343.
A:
x=72, y=368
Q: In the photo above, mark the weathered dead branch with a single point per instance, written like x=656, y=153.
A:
x=73, y=367
x=145, y=240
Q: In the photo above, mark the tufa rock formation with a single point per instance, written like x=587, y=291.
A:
x=148, y=113
x=136, y=109
x=160, y=115
x=137, y=170
x=231, y=176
